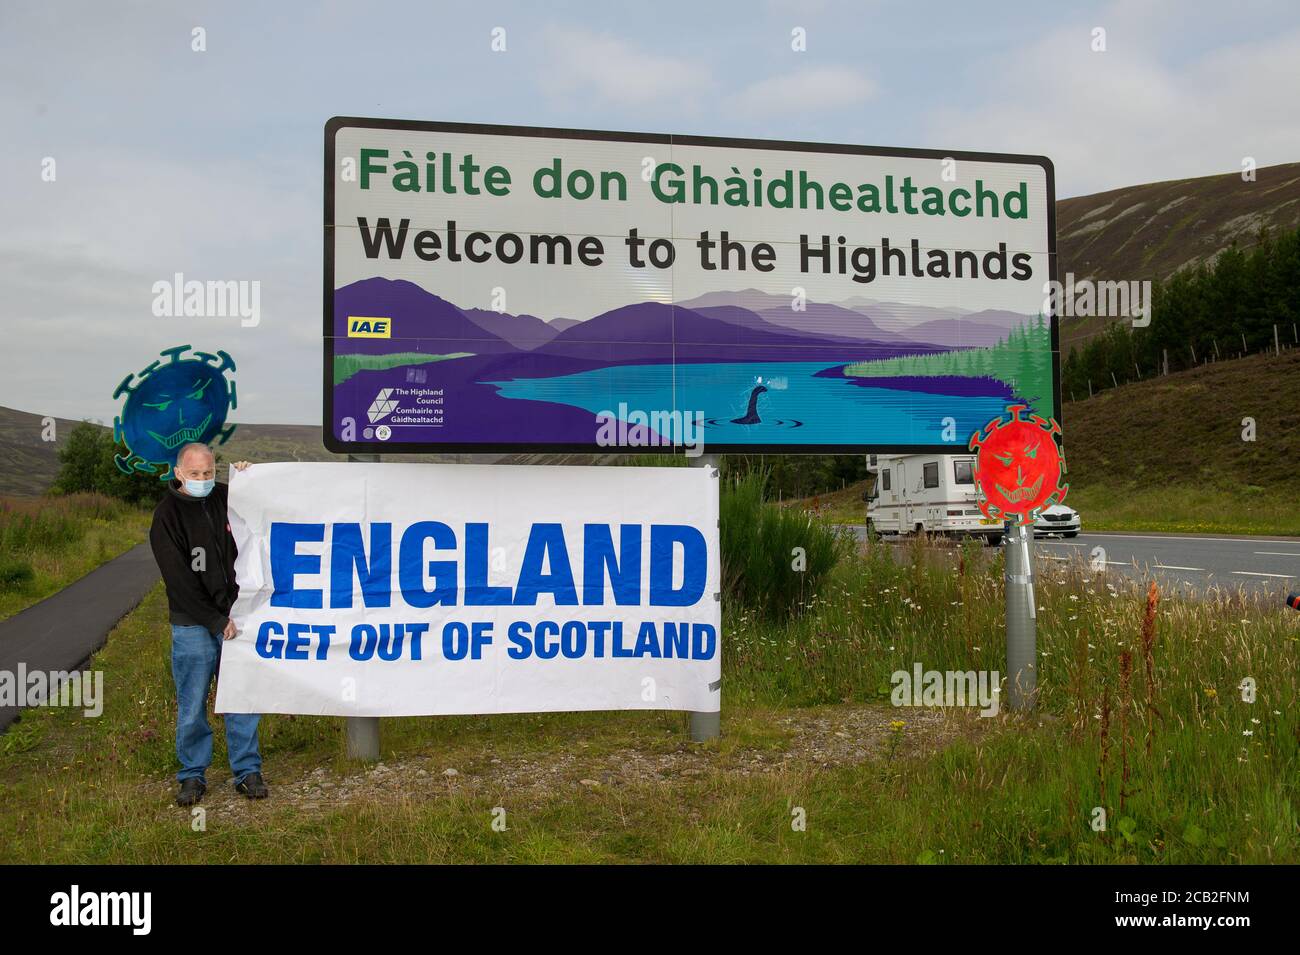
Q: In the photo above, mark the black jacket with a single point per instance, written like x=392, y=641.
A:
x=180, y=524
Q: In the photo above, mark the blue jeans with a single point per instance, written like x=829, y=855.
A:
x=195, y=655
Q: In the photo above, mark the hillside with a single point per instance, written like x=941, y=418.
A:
x=1153, y=230
x=28, y=465
x=1186, y=428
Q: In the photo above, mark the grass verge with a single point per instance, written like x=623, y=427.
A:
x=46, y=543
x=1186, y=770
x=1184, y=509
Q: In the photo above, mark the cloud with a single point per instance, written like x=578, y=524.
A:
x=605, y=69
x=78, y=277
x=1138, y=112
x=808, y=90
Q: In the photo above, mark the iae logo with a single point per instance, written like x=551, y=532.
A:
x=360, y=326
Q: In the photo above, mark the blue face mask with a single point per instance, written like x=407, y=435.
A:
x=200, y=488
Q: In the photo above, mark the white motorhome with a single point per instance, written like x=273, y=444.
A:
x=927, y=494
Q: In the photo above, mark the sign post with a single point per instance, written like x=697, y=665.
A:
x=1019, y=470
x=1022, y=624
x=707, y=726
x=363, y=731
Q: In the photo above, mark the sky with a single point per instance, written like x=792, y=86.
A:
x=208, y=162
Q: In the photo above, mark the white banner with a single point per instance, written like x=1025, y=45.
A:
x=425, y=589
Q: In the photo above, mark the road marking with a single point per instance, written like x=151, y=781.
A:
x=1252, y=573
x=1160, y=566
x=1180, y=537
x=1278, y=553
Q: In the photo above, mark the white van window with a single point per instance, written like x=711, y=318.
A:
x=962, y=472
x=884, y=479
x=931, y=474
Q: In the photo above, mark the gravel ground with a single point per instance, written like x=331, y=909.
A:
x=813, y=740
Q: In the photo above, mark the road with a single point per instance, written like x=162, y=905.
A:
x=1184, y=563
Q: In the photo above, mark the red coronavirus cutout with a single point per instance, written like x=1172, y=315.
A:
x=1019, y=466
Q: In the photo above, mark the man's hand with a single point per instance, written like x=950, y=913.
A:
x=240, y=465
x=230, y=631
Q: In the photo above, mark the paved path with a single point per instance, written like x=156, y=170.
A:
x=64, y=629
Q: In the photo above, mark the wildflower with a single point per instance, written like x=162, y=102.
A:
x=1211, y=692
x=1247, y=732
x=1255, y=721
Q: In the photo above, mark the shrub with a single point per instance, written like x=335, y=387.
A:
x=15, y=573
x=774, y=559
x=87, y=465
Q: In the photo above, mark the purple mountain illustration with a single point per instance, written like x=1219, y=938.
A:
x=864, y=319
x=651, y=331
x=707, y=328
x=415, y=315
x=522, y=331
x=821, y=318
x=725, y=328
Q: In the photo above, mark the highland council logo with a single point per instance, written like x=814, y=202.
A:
x=383, y=405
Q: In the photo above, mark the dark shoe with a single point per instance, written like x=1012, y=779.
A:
x=252, y=786
x=192, y=791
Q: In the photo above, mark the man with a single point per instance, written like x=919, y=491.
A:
x=195, y=551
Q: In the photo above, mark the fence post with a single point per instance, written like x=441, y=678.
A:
x=707, y=726
x=363, y=731
x=1276, y=346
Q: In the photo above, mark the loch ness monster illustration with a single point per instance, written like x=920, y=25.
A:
x=751, y=415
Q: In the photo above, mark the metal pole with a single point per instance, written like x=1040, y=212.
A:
x=706, y=726
x=363, y=731
x=1022, y=637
